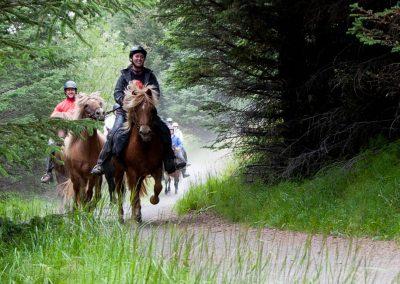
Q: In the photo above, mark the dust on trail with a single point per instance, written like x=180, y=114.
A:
x=238, y=251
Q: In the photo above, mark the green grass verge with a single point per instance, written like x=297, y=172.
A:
x=79, y=248
x=358, y=200
x=95, y=248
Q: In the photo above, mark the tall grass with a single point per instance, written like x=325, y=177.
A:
x=361, y=198
x=88, y=248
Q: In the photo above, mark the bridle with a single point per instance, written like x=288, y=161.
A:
x=134, y=120
x=91, y=114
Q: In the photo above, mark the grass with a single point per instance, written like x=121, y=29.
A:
x=362, y=199
x=93, y=248
x=77, y=249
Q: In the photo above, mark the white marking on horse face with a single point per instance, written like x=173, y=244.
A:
x=143, y=106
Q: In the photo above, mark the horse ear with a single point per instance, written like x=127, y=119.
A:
x=80, y=96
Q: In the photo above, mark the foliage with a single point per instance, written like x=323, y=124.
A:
x=359, y=198
x=381, y=28
x=21, y=22
x=295, y=90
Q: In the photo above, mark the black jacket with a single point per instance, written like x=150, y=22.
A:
x=127, y=75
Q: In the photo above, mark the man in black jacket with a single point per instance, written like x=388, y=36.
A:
x=136, y=71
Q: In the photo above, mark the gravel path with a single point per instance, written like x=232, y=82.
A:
x=287, y=256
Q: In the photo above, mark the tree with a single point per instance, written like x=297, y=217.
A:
x=297, y=90
x=44, y=43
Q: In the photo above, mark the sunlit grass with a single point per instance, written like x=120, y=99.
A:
x=362, y=199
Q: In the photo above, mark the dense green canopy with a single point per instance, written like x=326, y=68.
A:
x=299, y=83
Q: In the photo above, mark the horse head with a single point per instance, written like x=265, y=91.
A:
x=90, y=106
x=140, y=103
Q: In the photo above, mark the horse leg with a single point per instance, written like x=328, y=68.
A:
x=157, y=187
x=97, y=193
x=176, y=183
x=132, y=185
x=119, y=187
x=167, y=185
x=109, y=172
x=77, y=196
x=135, y=199
x=89, y=191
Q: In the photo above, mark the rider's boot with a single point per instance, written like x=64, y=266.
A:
x=48, y=176
x=105, y=154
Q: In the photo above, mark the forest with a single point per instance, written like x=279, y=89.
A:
x=304, y=95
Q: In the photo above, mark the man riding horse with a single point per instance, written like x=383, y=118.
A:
x=63, y=110
x=135, y=71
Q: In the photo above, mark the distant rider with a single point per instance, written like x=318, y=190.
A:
x=179, y=134
x=177, y=145
x=63, y=110
x=177, y=131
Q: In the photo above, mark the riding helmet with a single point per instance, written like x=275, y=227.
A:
x=137, y=49
x=70, y=85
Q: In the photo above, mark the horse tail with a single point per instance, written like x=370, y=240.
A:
x=143, y=183
x=66, y=190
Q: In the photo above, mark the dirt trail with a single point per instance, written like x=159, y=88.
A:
x=288, y=256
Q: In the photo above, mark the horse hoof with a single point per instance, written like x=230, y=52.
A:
x=154, y=200
x=139, y=219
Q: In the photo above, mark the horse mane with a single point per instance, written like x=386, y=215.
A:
x=81, y=100
x=135, y=96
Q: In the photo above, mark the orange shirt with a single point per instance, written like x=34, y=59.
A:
x=65, y=106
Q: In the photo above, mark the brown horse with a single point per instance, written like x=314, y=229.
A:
x=143, y=155
x=81, y=152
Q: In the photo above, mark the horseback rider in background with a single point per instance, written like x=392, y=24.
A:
x=63, y=110
x=135, y=71
x=177, y=144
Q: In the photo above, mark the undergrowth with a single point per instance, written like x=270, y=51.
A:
x=359, y=198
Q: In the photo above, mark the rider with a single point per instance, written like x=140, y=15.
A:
x=178, y=133
x=177, y=145
x=63, y=110
x=136, y=71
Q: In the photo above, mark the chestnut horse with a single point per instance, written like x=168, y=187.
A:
x=143, y=154
x=81, y=152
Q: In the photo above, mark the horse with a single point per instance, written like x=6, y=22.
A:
x=81, y=152
x=143, y=155
x=168, y=177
